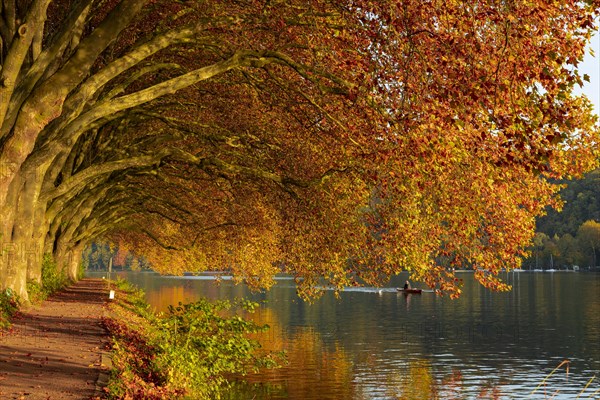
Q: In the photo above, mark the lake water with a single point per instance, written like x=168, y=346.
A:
x=372, y=344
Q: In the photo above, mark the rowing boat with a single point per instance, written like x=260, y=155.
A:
x=410, y=291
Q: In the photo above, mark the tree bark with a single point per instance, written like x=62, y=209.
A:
x=17, y=53
x=46, y=102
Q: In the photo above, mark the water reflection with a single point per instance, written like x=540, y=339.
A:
x=327, y=370
x=372, y=345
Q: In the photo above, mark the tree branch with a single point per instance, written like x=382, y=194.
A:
x=58, y=44
x=76, y=69
x=18, y=51
x=5, y=33
x=119, y=89
x=156, y=239
x=183, y=34
x=223, y=166
x=9, y=14
x=103, y=109
x=92, y=172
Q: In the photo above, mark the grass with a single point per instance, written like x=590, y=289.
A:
x=566, y=364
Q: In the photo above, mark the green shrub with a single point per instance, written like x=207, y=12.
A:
x=9, y=305
x=127, y=287
x=200, y=344
x=52, y=281
x=36, y=292
x=191, y=351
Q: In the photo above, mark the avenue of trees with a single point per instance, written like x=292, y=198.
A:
x=345, y=140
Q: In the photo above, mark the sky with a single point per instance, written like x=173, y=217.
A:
x=591, y=66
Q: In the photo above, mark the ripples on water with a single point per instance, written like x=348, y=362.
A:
x=380, y=344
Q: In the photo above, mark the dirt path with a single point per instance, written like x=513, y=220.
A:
x=53, y=351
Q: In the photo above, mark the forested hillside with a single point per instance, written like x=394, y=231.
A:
x=572, y=236
x=582, y=203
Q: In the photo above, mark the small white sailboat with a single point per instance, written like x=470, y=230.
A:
x=551, y=269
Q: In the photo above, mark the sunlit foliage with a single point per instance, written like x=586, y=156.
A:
x=335, y=140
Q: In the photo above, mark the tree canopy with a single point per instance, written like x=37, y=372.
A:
x=344, y=140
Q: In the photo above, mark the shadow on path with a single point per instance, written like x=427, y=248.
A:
x=53, y=351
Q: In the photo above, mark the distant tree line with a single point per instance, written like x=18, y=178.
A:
x=96, y=257
x=572, y=236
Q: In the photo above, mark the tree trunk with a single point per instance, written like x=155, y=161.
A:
x=26, y=223
x=74, y=262
x=16, y=255
x=15, y=248
x=34, y=269
x=68, y=258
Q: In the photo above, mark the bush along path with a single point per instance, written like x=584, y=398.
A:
x=199, y=350
x=54, y=351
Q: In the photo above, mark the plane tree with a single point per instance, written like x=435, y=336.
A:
x=339, y=140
